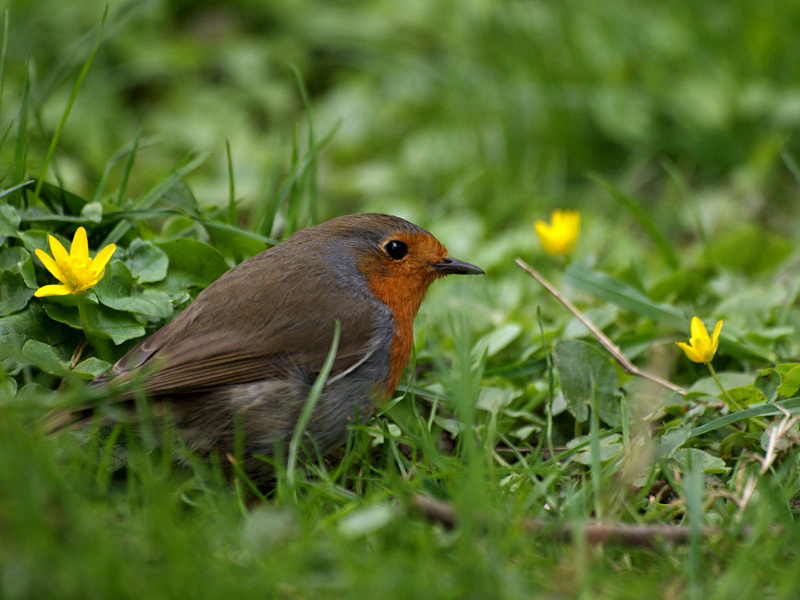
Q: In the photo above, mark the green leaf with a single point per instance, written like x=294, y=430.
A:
x=706, y=386
x=92, y=212
x=92, y=366
x=688, y=457
x=146, y=262
x=8, y=390
x=751, y=250
x=790, y=383
x=365, y=521
x=738, y=439
x=32, y=394
x=492, y=398
x=36, y=239
x=9, y=221
x=116, y=291
x=235, y=242
x=32, y=323
x=768, y=381
x=14, y=294
x=181, y=197
x=747, y=395
x=673, y=438
x=584, y=370
x=610, y=447
x=104, y=322
x=117, y=282
x=602, y=286
x=497, y=339
x=18, y=260
x=192, y=263
x=44, y=356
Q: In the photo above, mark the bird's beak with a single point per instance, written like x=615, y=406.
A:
x=453, y=266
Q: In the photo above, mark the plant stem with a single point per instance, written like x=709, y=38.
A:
x=84, y=320
x=601, y=337
x=732, y=404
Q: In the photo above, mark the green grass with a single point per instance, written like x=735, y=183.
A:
x=195, y=135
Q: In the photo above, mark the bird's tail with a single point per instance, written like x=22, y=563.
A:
x=98, y=396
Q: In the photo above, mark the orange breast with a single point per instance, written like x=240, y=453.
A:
x=403, y=296
x=401, y=285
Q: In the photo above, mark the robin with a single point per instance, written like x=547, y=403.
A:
x=242, y=357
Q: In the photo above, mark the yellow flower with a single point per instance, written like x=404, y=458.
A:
x=76, y=271
x=701, y=348
x=560, y=236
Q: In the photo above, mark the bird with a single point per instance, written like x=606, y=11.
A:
x=240, y=360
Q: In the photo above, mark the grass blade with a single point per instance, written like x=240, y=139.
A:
x=123, y=185
x=3, y=52
x=791, y=406
x=308, y=408
x=21, y=147
x=297, y=173
x=605, y=287
x=57, y=134
x=680, y=181
x=312, y=173
x=15, y=188
x=595, y=467
x=551, y=383
x=641, y=217
x=232, y=219
x=172, y=179
x=128, y=150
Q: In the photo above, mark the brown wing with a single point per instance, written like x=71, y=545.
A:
x=254, y=323
x=209, y=365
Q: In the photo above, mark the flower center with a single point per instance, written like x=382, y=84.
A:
x=79, y=272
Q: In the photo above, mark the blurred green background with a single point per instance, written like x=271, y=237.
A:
x=671, y=125
x=487, y=114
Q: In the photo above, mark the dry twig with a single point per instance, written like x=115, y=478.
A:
x=623, y=361
x=594, y=532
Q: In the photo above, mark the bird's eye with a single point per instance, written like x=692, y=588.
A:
x=396, y=249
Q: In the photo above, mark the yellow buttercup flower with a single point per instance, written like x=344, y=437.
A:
x=559, y=236
x=75, y=270
x=702, y=347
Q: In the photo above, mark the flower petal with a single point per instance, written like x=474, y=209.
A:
x=542, y=227
x=51, y=265
x=690, y=352
x=60, y=253
x=717, y=328
x=702, y=346
x=567, y=220
x=52, y=290
x=715, y=338
x=560, y=235
x=101, y=260
x=698, y=329
x=80, y=245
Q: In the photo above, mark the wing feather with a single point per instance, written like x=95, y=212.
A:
x=254, y=323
